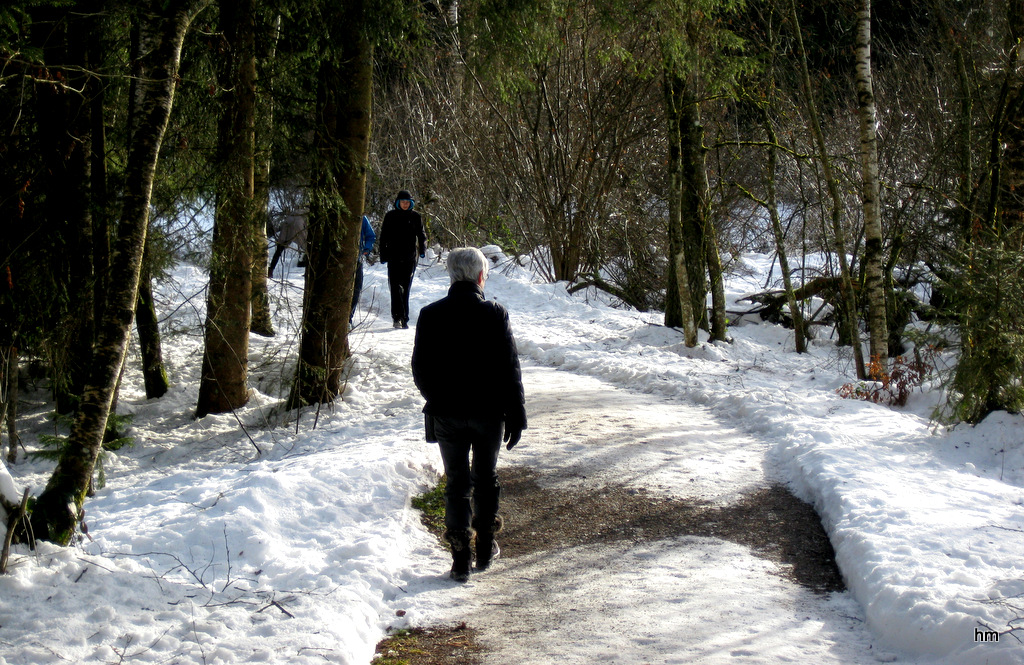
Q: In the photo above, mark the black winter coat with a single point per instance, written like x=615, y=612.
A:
x=402, y=238
x=464, y=360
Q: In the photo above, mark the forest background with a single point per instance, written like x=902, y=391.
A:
x=637, y=147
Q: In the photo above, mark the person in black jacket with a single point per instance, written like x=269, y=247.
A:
x=402, y=242
x=466, y=366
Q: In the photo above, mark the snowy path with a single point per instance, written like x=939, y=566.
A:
x=684, y=600
x=581, y=426
x=204, y=550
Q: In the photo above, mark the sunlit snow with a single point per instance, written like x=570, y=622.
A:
x=294, y=541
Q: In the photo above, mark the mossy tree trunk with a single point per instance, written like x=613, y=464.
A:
x=693, y=196
x=692, y=231
x=678, y=300
x=261, y=322
x=224, y=382
x=342, y=138
x=57, y=511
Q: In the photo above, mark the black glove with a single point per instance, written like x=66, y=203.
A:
x=512, y=436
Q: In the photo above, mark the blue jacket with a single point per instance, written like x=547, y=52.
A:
x=367, y=237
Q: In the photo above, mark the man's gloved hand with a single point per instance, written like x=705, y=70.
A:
x=512, y=436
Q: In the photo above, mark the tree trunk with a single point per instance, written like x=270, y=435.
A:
x=154, y=375
x=153, y=372
x=8, y=361
x=719, y=322
x=262, y=323
x=694, y=193
x=799, y=336
x=57, y=511
x=678, y=300
x=224, y=382
x=336, y=209
x=848, y=315
x=874, y=285
x=9, y=410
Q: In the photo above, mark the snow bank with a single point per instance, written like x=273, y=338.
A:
x=206, y=552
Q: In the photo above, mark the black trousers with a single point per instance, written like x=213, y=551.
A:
x=472, y=495
x=357, y=288
x=400, y=280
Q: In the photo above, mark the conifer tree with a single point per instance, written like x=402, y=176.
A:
x=223, y=385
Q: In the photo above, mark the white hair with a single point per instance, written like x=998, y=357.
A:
x=466, y=263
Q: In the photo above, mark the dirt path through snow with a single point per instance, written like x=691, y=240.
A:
x=643, y=530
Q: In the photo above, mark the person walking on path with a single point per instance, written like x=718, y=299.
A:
x=466, y=366
x=402, y=243
x=367, y=237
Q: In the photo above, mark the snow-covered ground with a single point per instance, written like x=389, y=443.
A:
x=252, y=537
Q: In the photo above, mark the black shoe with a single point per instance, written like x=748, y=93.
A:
x=397, y=324
x=485, y=556
x=405, y=324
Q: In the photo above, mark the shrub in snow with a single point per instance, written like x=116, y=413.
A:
x=893, y=388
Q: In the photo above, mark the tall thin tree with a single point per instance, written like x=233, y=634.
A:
x=692, y=47
x=147, y=322
x=848, y=318
x=772, y=205
x=262, y=323
x=679, y=306
x=874, y=286
x=57, y=511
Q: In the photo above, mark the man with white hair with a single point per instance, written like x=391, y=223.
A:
x=466, y=366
